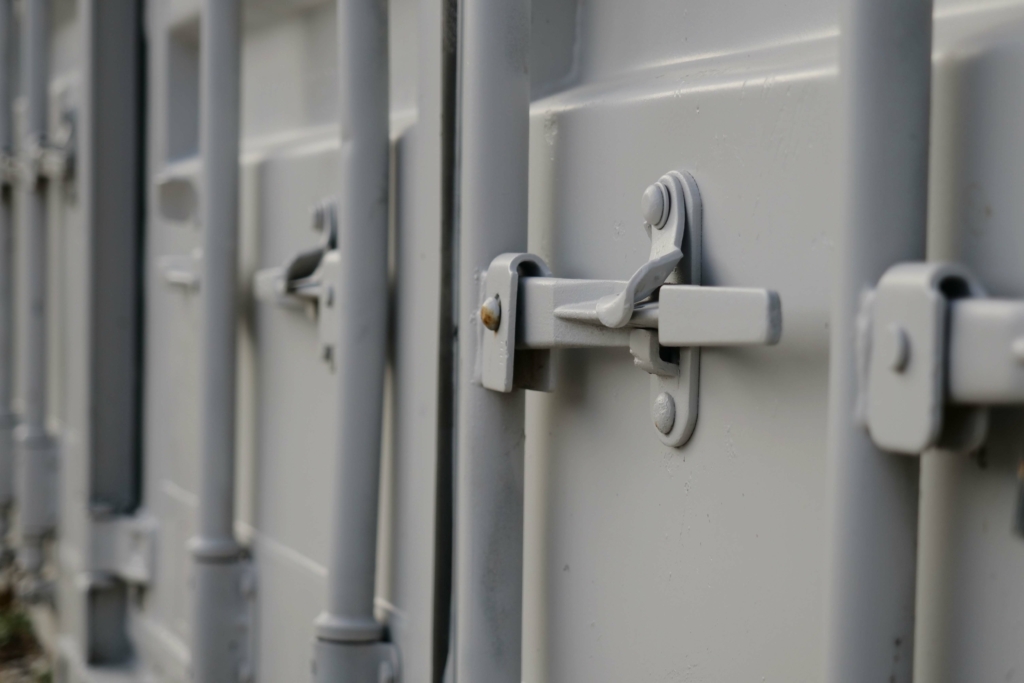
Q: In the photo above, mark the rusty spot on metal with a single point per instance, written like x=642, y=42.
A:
x=490, y=313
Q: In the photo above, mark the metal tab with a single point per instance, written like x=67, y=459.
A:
x=499, y=343
x=124, y=546
x=906, y=372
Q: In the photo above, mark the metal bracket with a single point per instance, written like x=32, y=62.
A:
x=52, y=159
x=57, y=159
x=374, y=662
x=10, y=171
x=934, y=352
x=124, y=546
x=182, y=270
x=309, y=280
x=661, y=314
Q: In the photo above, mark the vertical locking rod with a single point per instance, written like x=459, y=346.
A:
x=217, y=638
x=885, y=68
x=35, y=459
x=348, y=636
x=7, y=418
x=490, y=432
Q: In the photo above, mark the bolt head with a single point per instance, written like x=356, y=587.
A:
x=664, y=413
x=490, y=313
x=655, y=205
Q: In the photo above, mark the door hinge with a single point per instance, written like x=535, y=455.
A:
x=934, y=352
x=661, y=314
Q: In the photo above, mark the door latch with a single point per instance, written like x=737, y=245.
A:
x=934, y=352
x=661, y=314
x=309, y=279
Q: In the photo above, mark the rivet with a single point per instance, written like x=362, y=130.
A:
x=1017, y=349
x=490, y=313
x=664, y=412
x=655, y=205
x=900, y=348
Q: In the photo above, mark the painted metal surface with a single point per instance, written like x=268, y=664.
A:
x=8, y=419
x=494, y=103
x=559, y=540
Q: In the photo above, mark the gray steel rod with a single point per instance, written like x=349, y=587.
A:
x=219, y=142
x=490, y=425
x=35, y=31
x=885, y=69
x=215, y=550
x=33, y=463
x=7, y=419
x=941, y=512
x=362, y=300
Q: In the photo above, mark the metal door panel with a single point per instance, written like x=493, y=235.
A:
x=414, y=551
x=290, y=595
x=171, y=381
x=616, y=38
x=652, y=561
x=294, y=386
x=969, y=560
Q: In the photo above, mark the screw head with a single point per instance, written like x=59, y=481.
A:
x=664, y=413
x=655, y=205
x=490, y=313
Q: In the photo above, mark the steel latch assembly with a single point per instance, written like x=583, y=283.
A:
x=661, y=313
x=934, y=353
x=309, y=279
x=52, y=159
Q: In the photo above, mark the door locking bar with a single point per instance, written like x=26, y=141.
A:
x=934, y=352
x=661, y=314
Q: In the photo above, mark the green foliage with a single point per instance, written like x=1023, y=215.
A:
x=16, y=638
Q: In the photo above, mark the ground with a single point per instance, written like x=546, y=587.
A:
x=21, y=658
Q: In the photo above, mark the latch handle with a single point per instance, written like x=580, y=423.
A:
x=718, y=316
x=616, y=311
x=670, y=207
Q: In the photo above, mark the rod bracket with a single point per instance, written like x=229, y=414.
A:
x=661, y=314
x=49, y=158
x=124, y=546
x=934, y=351
x=372, y=662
